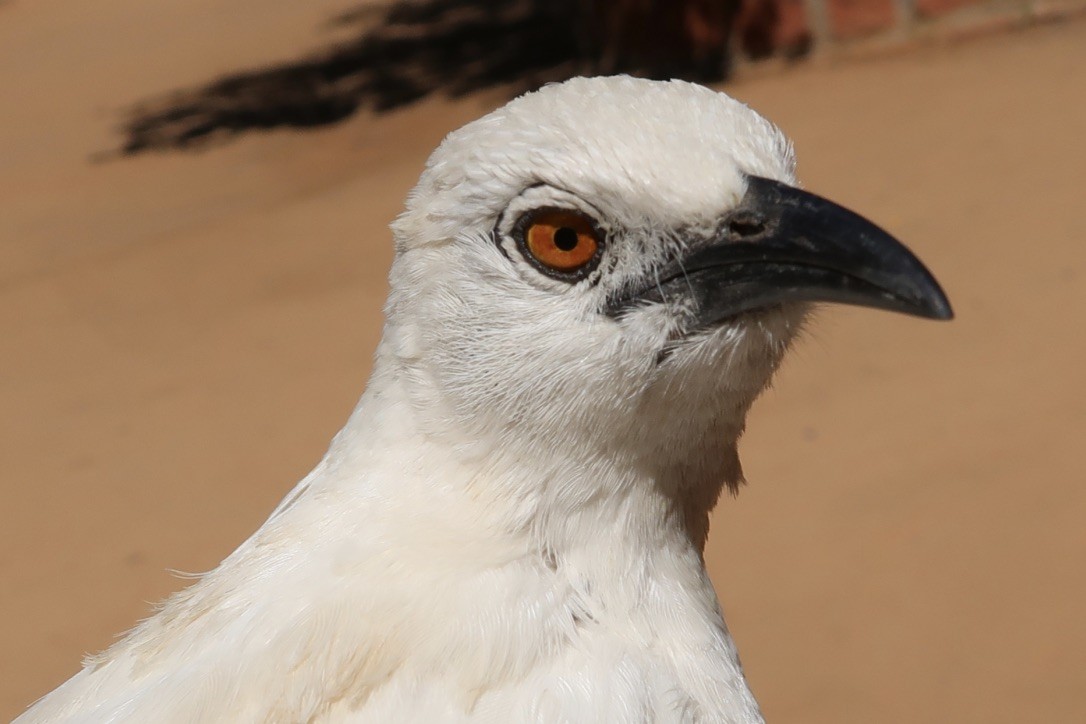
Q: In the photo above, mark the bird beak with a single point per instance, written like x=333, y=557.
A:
x=783, y=245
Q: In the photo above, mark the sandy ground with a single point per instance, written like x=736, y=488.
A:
x=181, y=334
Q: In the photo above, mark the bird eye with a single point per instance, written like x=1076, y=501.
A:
x=561, y=241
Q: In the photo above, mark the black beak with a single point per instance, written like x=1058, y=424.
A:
x=785, y=245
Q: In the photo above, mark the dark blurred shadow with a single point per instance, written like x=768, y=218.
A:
x=764, y=28
x=415, y=48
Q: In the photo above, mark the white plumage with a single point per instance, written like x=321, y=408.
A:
x=510, y=526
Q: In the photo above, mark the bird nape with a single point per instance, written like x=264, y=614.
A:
x=591, y=286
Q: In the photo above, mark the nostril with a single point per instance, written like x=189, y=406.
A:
x=747, y=225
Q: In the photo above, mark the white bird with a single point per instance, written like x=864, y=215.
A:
x=591, y=286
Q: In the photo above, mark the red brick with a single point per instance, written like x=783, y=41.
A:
x=856, y=18
x=773, y=27
x=935, y=8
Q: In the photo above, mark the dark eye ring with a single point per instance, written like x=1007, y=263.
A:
x=562, y=243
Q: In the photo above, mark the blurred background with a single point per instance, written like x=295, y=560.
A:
x=194, y=199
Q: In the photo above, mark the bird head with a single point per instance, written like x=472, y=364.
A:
x=608, y=271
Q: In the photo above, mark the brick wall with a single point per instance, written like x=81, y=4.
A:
x=792, y=28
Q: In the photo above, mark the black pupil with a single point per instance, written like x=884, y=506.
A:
x=565, y=239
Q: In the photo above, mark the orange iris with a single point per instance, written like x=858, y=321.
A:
x=562, y=240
